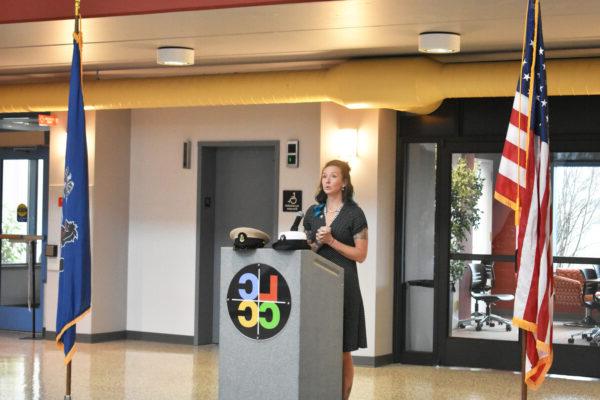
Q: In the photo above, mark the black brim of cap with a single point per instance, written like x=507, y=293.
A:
x=291, y=245
x=248, y=243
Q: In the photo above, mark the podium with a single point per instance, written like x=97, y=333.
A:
x=281, y=328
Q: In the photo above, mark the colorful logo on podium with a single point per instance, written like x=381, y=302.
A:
x=259, y=301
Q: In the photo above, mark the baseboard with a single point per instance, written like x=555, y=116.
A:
x=417, y=358
x=160, y=337
x=92, y=338
x=127, y=335
x=374, y=362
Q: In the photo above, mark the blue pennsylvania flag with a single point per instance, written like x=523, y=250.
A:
x=74, y=288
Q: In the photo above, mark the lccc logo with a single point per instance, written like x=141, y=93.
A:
x=259, y=301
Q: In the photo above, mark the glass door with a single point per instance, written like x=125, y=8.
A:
x=416, y=306
x=480, y=249
x=23, y=192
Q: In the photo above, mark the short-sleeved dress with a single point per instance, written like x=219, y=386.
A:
x=350, y=221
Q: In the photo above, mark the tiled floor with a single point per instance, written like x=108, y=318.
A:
x=561, y=333
x=143, y=370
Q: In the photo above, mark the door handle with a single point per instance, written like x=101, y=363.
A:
x=421, y=282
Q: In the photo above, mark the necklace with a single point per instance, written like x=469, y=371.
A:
x=334, y=211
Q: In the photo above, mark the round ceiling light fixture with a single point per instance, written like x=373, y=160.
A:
x=439, y=42
x=175, y=56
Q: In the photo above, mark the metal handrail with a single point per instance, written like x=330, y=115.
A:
x=21, y=238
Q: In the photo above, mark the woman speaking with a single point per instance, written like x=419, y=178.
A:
x=337, y=230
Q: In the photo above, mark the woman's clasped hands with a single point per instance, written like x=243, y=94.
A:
x=324, y=235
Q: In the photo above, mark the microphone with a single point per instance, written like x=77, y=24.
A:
x=296, y=223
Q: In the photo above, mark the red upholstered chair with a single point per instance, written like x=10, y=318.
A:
x=568, y=288
x=566, y=292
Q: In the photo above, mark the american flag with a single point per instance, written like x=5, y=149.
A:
x=523, y=183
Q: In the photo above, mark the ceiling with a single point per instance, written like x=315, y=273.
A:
x=291, y=36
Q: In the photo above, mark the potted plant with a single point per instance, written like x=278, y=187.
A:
x=467, y=188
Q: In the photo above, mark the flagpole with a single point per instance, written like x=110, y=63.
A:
x=523, y=337
x=68, y=383
x=68, y=391
x=77, y=16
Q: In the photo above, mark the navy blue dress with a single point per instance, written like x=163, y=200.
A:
x=350, y=221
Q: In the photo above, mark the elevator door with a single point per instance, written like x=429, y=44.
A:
x=239, y=187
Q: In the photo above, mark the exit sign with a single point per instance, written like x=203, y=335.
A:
x=47, y=120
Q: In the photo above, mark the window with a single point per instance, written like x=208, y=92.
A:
x=15, y=185
x=576, y=244
x=576, y=204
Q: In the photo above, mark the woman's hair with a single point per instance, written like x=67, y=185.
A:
x=347, y=191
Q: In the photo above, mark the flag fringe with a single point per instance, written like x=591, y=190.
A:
x=544, y=365
x=65, y=328
x=543, y=346
x=71, y=323
x=78, y=37
x=71, y=353
x=525, y=325
x=506, y=201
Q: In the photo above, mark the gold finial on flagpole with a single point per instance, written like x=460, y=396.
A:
x=77, y=15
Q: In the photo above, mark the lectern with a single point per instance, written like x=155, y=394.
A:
x=280, y=329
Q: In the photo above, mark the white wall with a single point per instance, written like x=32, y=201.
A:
x=162, y=214
x=373, y=178
x=386, y=229
x=110, y=221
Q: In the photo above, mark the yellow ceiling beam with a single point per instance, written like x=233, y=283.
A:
x=416, y=85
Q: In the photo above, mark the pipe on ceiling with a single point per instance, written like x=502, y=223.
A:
x=417, y=85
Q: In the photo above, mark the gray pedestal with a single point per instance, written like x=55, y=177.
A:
x=304, y=359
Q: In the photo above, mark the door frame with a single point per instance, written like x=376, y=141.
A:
x=400, y=355
x=204, y=234
x=458, y=351
x=19, y=315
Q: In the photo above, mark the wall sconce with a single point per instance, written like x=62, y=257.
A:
x=345, y=144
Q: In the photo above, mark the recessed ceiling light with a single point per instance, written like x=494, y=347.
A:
x=175, y=56
x=358, y=106
x=439, y=42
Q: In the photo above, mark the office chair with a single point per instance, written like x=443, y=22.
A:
x=590, y=286
x=590, y=298
x=591, y=335
x=480, y=291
